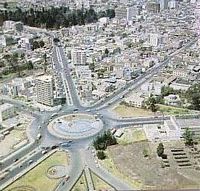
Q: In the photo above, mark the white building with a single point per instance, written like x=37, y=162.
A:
x=163, y=4
x=173, y=4
x=6, y=111
x=78, y=57
x=154, y=39
x=126, y=13
x=135, y=100
x=173, y=100
x=44, y=90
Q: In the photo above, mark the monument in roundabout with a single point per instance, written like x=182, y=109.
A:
x=75, y=126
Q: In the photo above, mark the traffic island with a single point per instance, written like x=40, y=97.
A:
x=37, y=177
x=75, y=126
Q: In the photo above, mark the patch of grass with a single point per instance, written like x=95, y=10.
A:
x=170, y=110
x=132, y=135
x=37, y=177
x=126, y=111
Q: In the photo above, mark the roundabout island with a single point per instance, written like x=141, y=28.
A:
x=75, y=126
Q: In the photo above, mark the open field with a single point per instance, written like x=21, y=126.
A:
x=125, y=111
x=128, y=163
x=169, y=110
x=109, y=164
x=132, y=135
x=128, y=111
x=8, y=145
x=37, y=178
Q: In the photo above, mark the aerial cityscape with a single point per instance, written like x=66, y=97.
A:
x=99, y=95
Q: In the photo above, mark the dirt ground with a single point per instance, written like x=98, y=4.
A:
x=130, y=161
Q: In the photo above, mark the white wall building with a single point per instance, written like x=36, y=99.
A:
x=78, y=57
x=135, y=100
x=6, y=111
x=44, y=90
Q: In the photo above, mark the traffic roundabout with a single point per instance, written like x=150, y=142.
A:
x=75, y=126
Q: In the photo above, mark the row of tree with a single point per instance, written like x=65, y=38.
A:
x=55, y=17
x=102, y=142
x=16, y=64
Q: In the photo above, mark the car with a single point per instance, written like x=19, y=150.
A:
x=30, y=162
x=15, y=160
x=44, y=152
x=67, y=178
x=76, y=109
x=21, y=166
x=54, y=147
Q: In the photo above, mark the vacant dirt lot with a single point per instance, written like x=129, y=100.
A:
x=130, y=161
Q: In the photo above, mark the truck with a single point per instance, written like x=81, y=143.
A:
x=39, y=136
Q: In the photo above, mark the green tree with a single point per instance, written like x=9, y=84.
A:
x=5, y=5
x=145, y=153
x=29, y=65
x=193, y=96
x=101, y=155
x=188, y=137
x=160, y=150
x=41, y=43
x=45, y=63
x=151, y=103
x=166, y=90
x=102, y=141
x=106, y=52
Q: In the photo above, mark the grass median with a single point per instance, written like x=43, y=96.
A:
x=37, y=177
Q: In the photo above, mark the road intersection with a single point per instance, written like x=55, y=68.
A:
x=79, y=150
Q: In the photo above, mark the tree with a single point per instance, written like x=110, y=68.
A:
x=145, y=153
x=15, y=60
x=101, y=155
x=29, y=65
x=106, y=52
x=45, y=62
x=193, y=96
x=160, y=150
x=166, y=90
x=151, y=103
x=41, y=43
x=188, y=137
x=5, y=5
x=102, y=141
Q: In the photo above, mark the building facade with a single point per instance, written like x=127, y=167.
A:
x=44, y=90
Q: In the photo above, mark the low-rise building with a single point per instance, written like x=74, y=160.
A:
x=6, y=111
x=135, y=100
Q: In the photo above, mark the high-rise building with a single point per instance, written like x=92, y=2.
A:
x=44, y=90
x=197, y=20
x=124, y=12
x=78, y=57
x=153, y=6
x=163, y=4
x=154, y=39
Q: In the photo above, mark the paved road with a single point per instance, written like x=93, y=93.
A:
x=75, y=171
x=62, y=66
x=78, y=158
x=134, y=84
